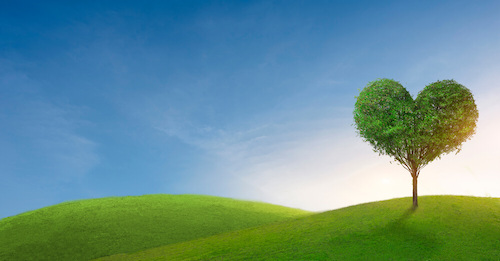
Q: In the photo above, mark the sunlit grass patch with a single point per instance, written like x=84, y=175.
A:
x=442, y=228
x=87, y=229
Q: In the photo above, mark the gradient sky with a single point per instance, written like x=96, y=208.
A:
x=245, y=99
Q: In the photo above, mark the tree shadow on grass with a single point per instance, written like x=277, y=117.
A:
x=410, y=240
x=407, y=214
x=400, y=239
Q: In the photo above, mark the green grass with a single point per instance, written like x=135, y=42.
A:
x=442, y=228
x=194, y=227
x=88, y=229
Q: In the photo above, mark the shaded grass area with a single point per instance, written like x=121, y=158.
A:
x=442, y=228
x=88, y=229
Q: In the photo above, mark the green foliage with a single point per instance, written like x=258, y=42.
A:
x=446, y=116
x=443, y=116
x=443, y=228
x=87, y=229
x=383, y=116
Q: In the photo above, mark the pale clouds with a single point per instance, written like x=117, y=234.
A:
x=320, y=164
x=47, y=132
x=334, y=169
x=312, y=159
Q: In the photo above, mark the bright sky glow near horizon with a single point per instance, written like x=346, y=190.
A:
x=245, y=99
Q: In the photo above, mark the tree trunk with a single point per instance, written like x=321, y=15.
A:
x=415, y=198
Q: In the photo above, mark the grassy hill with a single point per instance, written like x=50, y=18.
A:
x=88, y=229
x=442, y=228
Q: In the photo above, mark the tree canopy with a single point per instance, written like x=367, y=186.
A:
x=415, y=132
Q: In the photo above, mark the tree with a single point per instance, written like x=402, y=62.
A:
x=415, y=132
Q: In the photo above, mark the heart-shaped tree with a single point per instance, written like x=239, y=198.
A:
x=415, y=132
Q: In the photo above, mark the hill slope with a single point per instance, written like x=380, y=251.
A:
x=442, y=228
x=87, y=229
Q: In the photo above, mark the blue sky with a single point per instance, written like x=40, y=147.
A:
x=244, y=99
